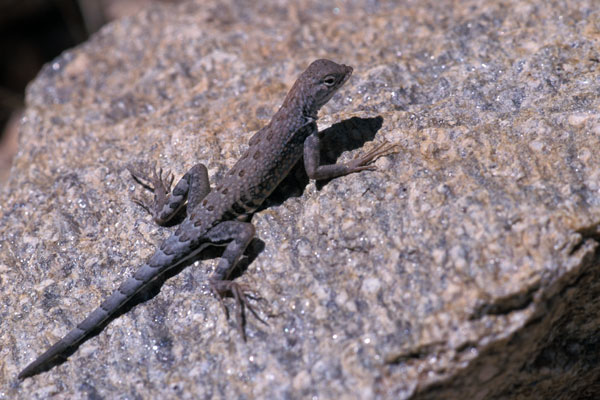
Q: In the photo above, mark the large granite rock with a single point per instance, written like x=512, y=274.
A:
x=466, y=265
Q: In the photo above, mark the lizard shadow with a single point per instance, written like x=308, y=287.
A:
x=349, y=134
x=346, y=135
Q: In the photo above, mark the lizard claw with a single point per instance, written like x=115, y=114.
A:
x=161, y=184
x=362, y=163
x=142, y=204
x=365, y=168
x=140, y=178
x=157, y=183
x=220, y=288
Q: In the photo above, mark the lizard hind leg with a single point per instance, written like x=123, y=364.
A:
x=193, y=187
x=236, y=236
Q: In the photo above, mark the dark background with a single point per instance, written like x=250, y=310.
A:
x=32, y=33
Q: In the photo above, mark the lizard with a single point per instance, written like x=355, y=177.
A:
x=220, y=216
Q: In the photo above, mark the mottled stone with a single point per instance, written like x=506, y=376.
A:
x=466, y=265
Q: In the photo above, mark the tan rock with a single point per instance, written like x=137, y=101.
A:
x=466, y=266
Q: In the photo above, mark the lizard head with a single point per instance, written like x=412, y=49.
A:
x=319, y=83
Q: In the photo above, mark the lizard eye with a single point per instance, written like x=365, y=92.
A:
x=329, y=80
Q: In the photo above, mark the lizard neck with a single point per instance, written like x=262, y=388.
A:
x=310, y=114
x=301, y=116
x=298, y=102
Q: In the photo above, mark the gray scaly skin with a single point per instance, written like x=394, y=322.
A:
x=218, y=216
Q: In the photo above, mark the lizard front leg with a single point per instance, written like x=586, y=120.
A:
x=193, y=187
x=312, y=159
x=236, y=235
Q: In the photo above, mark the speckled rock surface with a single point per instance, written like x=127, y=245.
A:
x=466, y=265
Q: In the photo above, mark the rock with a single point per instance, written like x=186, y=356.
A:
x=466, y=265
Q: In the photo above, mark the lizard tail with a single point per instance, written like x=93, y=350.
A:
x=61, y=349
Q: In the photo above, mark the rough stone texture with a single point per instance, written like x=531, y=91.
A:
x=467, y=265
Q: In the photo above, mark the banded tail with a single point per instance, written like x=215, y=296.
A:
x=156, y=266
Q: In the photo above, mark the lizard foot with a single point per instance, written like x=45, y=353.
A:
x=157, y=184
x=362, y=163
x=221, y=288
